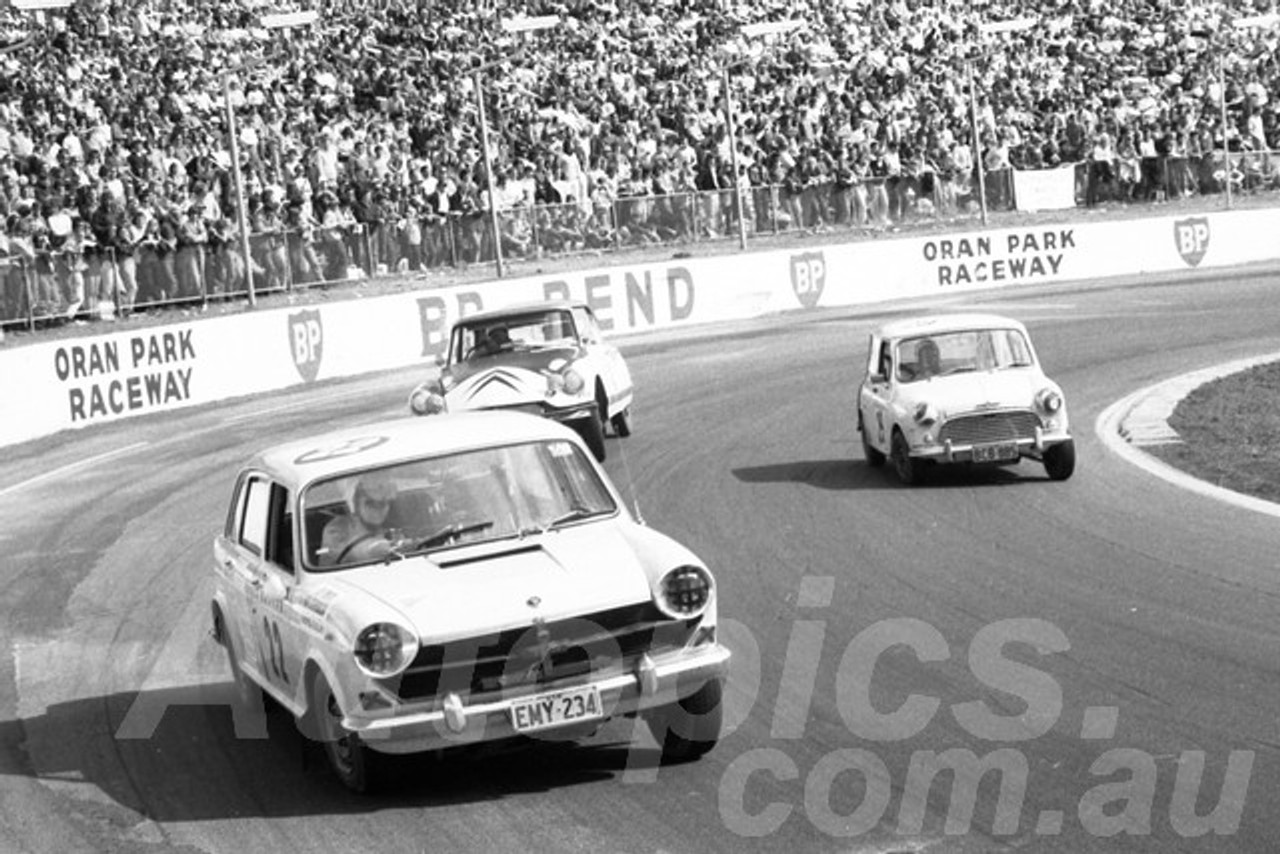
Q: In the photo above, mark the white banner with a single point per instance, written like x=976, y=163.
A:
x=1045, y=189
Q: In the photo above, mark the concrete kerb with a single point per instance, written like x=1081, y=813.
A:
x=1141, y=420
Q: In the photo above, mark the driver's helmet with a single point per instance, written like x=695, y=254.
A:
x=928, y=357
x=374, y=491
x=499, y=336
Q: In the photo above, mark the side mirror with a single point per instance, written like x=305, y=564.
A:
x=877, y=379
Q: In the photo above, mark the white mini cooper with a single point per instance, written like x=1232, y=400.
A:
x=960, y=388
x=412, y=586
x=546, y=359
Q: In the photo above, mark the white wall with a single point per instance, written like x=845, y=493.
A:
x=50, y=386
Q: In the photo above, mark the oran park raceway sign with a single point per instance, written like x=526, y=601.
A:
x=1013, y=257
x=114, y=377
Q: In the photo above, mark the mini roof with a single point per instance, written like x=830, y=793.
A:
x=940, y=323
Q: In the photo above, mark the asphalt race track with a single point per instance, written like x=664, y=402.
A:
x=1107, y=649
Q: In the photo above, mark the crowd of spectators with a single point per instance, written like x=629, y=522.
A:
x=113, y=131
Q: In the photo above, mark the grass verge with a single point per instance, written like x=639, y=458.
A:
x=1230, y=431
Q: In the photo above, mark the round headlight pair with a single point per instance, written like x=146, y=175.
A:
x=424, y=400
x=925, y=413
x=568, y=380
x=684, y=592
x=385, y=649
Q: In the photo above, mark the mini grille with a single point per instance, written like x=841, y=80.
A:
x=989, y=427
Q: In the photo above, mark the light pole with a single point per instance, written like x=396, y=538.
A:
x=751, y=31
x=511, y=25
x=284, y=20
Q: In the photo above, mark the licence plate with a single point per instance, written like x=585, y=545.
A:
x=995, y=453
x=556, y=709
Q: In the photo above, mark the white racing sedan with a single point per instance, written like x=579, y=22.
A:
x=416, y=585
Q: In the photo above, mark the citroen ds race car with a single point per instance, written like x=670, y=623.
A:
x=414, y=586
x=960, y=388
x=547, y=359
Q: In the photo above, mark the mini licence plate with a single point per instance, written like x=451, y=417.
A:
x=995, y=453
x=556, y=709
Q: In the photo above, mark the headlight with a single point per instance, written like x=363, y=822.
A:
x=684, y=592
x=1049, y=400
x=425, y=400
x=925, y=414
x=573, y=382
x=385, y=649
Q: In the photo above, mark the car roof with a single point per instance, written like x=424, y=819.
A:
x=519, y=308
x=381, y=443
x=941, y=323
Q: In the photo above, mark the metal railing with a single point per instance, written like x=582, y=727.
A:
x=101, y=282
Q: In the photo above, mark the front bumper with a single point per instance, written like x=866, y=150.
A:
x=949, y=452
x=455, y=721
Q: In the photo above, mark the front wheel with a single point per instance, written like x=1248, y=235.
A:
x=349, y=759
x=622, y=423
x=1060, y=460
x=689, y=728
x=592, y=432
x=910, y=470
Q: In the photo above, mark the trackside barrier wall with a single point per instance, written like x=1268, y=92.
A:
x=46, y=387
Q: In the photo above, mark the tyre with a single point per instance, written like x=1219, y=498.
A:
x=909, y=470
x=689, y=728
x=1060, y=460
x=622, y=423
x=592, y=432
x=354, y=764
x=874, y=458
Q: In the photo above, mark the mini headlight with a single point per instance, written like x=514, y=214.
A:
x=925, y=414
x=1049, y=400
x=573, y=382
x=424, y=400
x=385, y=649
x=685, y=591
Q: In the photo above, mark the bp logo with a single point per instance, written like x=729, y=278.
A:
x=306, y=340
x=1192, y=237
x=808, y=275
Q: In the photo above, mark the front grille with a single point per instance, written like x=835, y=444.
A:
x=566, y=648
x=989, y=427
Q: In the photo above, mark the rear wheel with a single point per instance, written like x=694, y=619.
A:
x=592, y=432
x=350, y=760
x=910, y=470
x=1060, y=460
x=689, y=728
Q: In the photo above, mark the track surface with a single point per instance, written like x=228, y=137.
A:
x=1152, y=616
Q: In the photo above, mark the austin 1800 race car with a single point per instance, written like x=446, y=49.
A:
x=547, y=359
x=413, y=586
x=960, y=388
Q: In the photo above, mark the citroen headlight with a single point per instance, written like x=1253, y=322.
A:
x=385, y=649
x=573, y=382
x=425, y=400
x=684, y=592
x=1049, y=400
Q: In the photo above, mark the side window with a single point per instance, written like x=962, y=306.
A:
x=280, y=539
x=884, y=365
x=588, y=329
x=254, y=521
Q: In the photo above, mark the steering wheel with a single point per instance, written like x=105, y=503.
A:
x=351, y=545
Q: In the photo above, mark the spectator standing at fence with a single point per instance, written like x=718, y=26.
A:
x=1101, y=170
x=189, y=266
